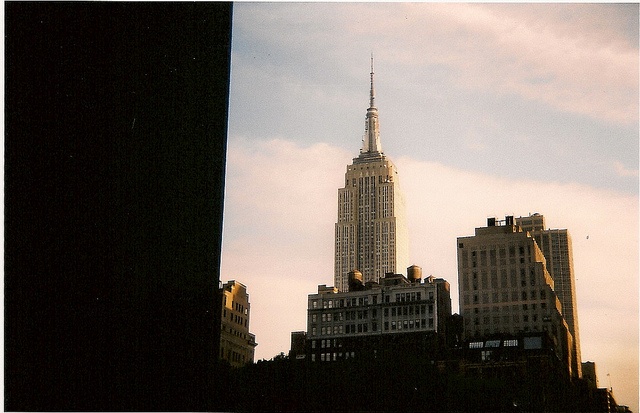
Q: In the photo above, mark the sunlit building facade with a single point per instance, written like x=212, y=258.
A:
x=556, y=247
x=505, y=288
x=237, y=344
x=370, y=233
x=372, y=319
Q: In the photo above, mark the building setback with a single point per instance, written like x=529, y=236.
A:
x=374, y=319
x=505, y=288
x=237, y=344
x=370, y=233
x=555, y=244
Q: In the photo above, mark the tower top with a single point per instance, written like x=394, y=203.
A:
x=372, y=95
x=371, y=139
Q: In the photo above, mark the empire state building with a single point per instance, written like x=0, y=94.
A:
x=371, y=232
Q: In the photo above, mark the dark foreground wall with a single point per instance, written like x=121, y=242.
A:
x=403, y=384
x=115, y=153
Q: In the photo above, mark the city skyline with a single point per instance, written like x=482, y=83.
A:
x=470, y=138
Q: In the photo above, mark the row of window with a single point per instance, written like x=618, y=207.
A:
x=234, y=332
x=515, y=318
x=487, y=331
x=504, y=296
x=493, y=343
x=234, y=318
x=408, y=324
x=344, y=302
x=510, y=308
x=334, y=356
x=366, y=300
x=232, y=356
x=364, y=314
x=486, y=281
x=373, y=327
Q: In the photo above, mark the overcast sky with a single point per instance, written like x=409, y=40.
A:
x=486, y=110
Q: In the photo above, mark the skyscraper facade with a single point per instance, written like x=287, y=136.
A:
x=370, y=233
x=505, y=287
x=556, y=247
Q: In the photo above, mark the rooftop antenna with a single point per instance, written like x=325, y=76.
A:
x=371, y=93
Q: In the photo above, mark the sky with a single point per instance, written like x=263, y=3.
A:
x=487, y=110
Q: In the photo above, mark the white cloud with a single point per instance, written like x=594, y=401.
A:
x=567, y=56
x=276, y=188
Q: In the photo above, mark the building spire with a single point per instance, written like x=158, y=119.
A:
x=371, y=138
x=372, y=95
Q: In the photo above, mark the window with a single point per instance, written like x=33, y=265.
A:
x=476, y=344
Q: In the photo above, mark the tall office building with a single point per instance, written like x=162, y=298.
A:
x=505, y=287
x=556, y=247
x=370, y=234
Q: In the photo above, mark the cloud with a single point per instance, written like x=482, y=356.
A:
x=576, y=58
x=280, y=210
x=623, y=171
x=572, y=66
